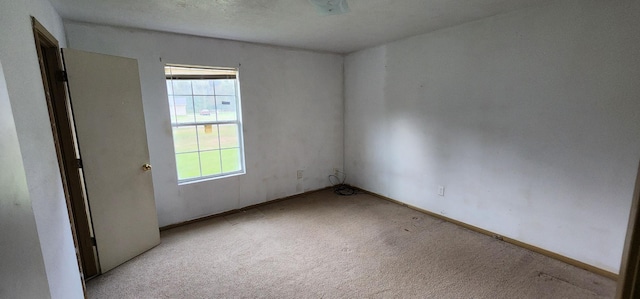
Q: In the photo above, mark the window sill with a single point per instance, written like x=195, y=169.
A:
x=206, y=179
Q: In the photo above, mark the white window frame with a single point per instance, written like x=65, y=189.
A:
x=216, y=123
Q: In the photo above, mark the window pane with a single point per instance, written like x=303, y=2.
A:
x=172, y=110
x=184, y=109
x=205, y=107
x=226, y=106
x=229, y=136
x=188, y=166
x=208, y=137
x=202, y=87
x=169, y=87
x=181, y=87
x=210, y=162
x=225, y=87
x=230, y=159
x=185, y=139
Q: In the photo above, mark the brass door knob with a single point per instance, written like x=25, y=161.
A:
x=146, y=167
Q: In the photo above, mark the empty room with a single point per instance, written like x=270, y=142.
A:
x=319, y=149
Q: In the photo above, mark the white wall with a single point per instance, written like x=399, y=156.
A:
x=292, y=112
x=23, y=274
x=531, y=120
x=24, y=84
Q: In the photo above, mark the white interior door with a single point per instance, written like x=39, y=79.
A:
x=107, y=107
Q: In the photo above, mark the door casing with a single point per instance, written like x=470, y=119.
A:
x=629, y=280
x=62, y=127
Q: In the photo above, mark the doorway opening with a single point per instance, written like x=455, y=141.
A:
x=63, y=128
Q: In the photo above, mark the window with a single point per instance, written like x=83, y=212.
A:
x=206, y=121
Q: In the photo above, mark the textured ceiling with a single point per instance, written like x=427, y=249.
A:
x=290, y=23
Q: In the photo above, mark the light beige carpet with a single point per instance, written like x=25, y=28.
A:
x=326, y=246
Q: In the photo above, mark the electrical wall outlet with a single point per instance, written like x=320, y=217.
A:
x=336, y=171
x=300, y=174
x=441, y=190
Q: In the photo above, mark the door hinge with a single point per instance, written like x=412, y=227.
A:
x=93, y=241
x=63, y=76
x=79, y=163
